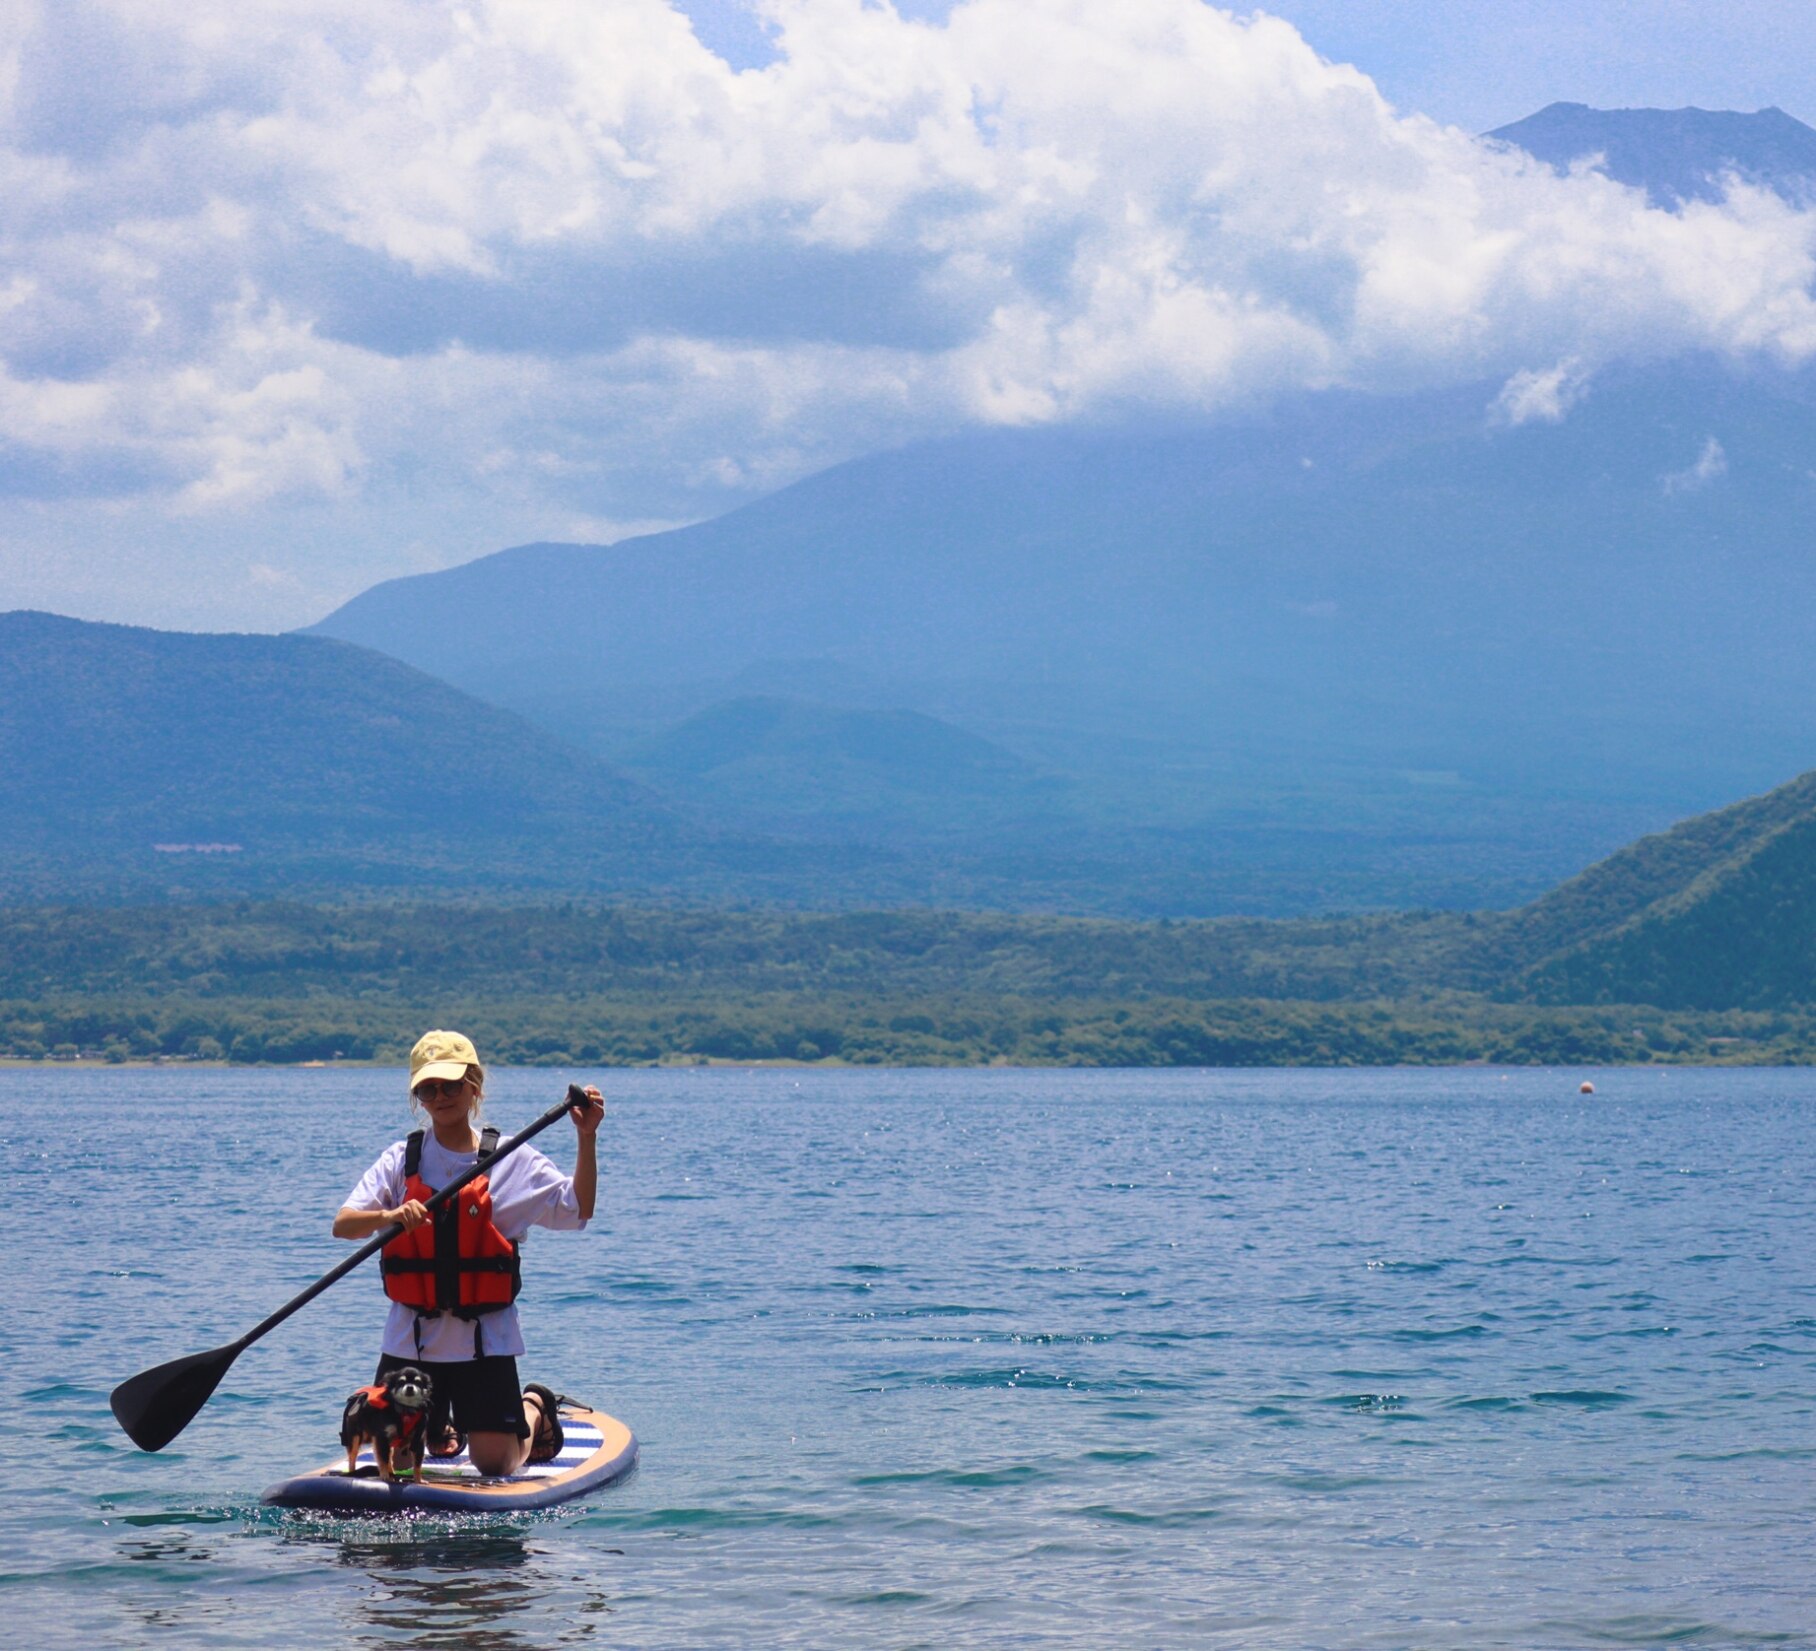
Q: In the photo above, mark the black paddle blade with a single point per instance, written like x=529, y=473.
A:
x=156, y=1405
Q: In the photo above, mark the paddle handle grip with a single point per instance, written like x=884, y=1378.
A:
x=576, y=1096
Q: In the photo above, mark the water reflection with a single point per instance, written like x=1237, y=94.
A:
x=463, y=1585
x=182, y=1568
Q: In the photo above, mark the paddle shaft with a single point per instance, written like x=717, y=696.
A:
x=575, y=1097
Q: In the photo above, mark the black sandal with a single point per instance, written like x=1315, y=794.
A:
x=447, y=1440
x=547, y=1441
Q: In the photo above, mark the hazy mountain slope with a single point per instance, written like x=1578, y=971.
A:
x=914, y=750
x=144, y=765
x=256, y=761
x=790, y=761
x=1676, y=155
x=1406, y=618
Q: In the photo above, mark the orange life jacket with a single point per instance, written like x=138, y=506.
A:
x=457, y=1261
x=408, y=1421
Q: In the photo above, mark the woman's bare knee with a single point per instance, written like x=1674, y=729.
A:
x=496, y=1454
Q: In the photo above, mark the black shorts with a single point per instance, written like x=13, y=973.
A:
x=481, y=1395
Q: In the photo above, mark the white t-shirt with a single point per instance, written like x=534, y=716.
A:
x=527, y=1191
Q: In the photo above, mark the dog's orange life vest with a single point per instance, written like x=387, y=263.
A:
x=457, y=1261
x=408, y=1421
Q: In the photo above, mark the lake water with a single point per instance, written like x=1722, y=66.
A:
x=1257, y=1359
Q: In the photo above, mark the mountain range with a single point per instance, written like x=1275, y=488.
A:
x=145, y=766
x=1431, y=649
x=1354, y=628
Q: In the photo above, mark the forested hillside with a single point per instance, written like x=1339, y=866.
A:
x=1720, y=913
x=1695, y=944
x=145, y=764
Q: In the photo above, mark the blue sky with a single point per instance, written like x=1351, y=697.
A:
x=299, y=296
x=1483, y=65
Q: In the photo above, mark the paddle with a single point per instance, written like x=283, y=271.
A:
x=156, y=1405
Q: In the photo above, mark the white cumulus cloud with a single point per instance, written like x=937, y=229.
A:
x=555, y=260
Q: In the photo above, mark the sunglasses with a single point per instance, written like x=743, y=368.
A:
x=433, y=1089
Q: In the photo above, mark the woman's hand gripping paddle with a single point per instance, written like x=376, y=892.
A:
x=156, y=1405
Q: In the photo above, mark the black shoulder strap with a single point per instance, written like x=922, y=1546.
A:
x=412, y=1153
x=488, y=1142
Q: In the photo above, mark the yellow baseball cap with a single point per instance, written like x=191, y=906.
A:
x=445, y=1055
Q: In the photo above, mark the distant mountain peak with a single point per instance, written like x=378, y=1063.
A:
x=1675, y=155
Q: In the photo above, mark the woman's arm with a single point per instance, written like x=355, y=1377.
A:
x=368, y=1206
x=352, y=1223
x=586, y=1153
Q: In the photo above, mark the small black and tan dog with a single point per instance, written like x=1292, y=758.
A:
x=393, y=1419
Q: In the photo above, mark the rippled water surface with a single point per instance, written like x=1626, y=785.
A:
x=1432, y=1359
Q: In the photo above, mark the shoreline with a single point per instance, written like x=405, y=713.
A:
x=718, y=1063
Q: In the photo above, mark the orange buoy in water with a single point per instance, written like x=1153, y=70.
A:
x=1585, y=1088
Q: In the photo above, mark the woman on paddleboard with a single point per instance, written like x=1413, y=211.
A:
x=453, y=1279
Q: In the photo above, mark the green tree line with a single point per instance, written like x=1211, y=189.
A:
x=574, y=985
x=863, y=1030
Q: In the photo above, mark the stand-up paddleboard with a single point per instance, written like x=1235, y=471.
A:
x=598, y=1449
